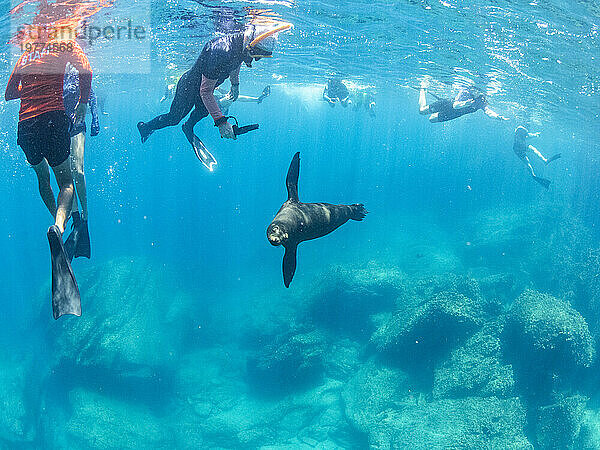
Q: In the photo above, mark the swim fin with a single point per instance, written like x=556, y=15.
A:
x=203, y=154
x=553, y=158
x=144, y=133
x=543, y=181
x=70, y=244
x=83, y=247
x=65, y=293
x=265, y=93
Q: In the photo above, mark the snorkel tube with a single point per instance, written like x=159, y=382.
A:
x=253, y=48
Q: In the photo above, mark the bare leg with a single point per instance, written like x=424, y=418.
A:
x=528, y=163
x=43, y=176
x=434, y=117
x=538, y=153
x=77, y=152
x=64, y=179
x=423, y=106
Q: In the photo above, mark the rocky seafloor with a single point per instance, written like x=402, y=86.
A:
x=492, y=345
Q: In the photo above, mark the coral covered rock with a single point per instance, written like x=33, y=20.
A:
x=134, y=318
x=467, y=423
x=381, y=403
x=292, y=361
x=558, y=425
x=102, y=422
x=16, y=424
x=347, y=297
x=427, y=333
x=476, y=369
x=544, y=336
x=372, y=391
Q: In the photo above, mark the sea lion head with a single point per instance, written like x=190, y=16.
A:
x=277, y=234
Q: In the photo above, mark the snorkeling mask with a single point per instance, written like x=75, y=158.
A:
x=262, y=45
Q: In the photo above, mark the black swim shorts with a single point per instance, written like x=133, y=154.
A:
x=45, y=136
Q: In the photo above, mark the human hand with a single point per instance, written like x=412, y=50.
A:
x=79, y=115
x=226, y=131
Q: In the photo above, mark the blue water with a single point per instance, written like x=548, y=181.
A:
x=184, y=293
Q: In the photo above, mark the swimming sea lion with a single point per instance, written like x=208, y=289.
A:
x=297, y=222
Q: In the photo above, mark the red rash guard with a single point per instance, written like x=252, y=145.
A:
x=40, y=73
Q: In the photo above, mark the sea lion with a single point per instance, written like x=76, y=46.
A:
x=298, y=222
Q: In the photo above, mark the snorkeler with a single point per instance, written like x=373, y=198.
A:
x=222, y=98
x=467, y=101
x=78, y=242
x=336, y=91
x=521, y=148
x=43, y=135
x=220, y=59
x=363, y=98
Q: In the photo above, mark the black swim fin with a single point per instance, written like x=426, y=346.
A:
x=144, y=133
x=65, y=292
x=70, y=244
x=553, y=158
x=203, y=154
x=543, y=181
x=83, y=247
x=289, y=265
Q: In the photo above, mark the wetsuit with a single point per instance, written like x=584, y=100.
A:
x=71, y=96
x=445, y=107
x=37, y=78
x=335, y=89
x=220, y=59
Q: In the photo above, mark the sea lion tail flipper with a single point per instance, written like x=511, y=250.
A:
x=289, y=265
x=358, y=212
x=291, y=180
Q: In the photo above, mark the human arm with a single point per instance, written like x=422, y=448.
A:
x=207, y=89
x=536, y=134
x=80, y=61
x=460, y=104
x=327, y=98
x=494, y=115
x=12, y=88
x=93, y=104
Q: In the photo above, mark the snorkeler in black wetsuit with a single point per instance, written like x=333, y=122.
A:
x=467, y=101
x=336, y=90
x=521, y=148
x=220, y=59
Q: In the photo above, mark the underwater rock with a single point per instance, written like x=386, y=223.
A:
x=380, y=403
x=134, y=319
x=589, y=434
x=348, y=296
x=16, y=427
x=467, y=423
x=544, y=336
x=292, y=361
x=218, y=410
x=475, y=369
x=422, y=336
x=501, y=287
x=558, y=425
x=102, y=422
x=372, y=391
x=341, y=359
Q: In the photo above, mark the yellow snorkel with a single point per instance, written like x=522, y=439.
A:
x=253, y=49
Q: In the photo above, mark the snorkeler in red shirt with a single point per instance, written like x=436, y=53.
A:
x=43, y=135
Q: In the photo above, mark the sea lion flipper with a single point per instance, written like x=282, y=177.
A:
x=291, y=180
x=289, y=265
